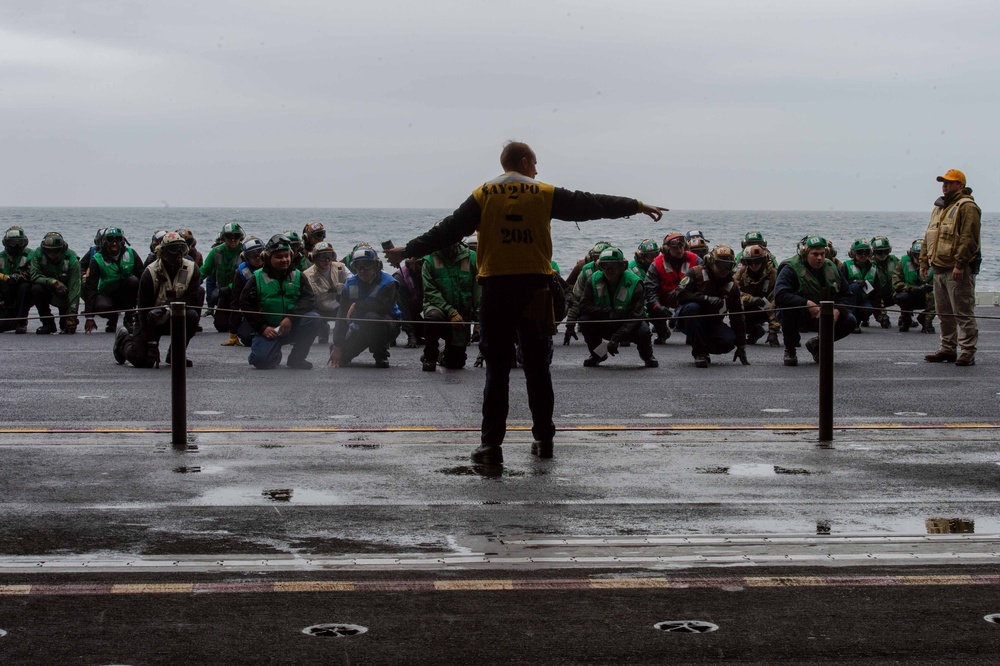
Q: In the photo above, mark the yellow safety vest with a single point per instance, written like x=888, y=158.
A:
x=514, y=229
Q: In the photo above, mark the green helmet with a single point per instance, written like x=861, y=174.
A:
x=112, y=234
x=53, y=241
x=609, y=256
x=233, y=230
x=859, y=245
x=881, y=244
x=14, y=239
x=810, y=243
x=595, y=252
x=916, y=248
x=753, y=238
x=277, y=243
x=294, y=239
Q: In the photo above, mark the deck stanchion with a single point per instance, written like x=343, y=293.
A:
x=178, y=376
x=826, y=371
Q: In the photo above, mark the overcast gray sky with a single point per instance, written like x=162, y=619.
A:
x=772, y=104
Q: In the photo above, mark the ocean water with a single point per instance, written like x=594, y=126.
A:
x=347, y=226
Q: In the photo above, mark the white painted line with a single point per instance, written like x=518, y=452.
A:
x=666, y=416
x=341, y=416
x=92, y=397
x=775, y=410
x=207, y=412
x=578, y=416
x=904, y=363
x=910, y=413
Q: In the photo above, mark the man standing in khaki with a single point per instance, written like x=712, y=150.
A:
x=951, y=246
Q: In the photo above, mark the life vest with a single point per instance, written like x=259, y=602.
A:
x=636, y=269
x=809, y=285
x=885, y=271
x=276, y=298
x=515, y=226
x=58, y=270
x=454, y=280
x=618, y=302
x=359, y=292
x=854, y=273
x=942, y=233
x=116, y=272
x=8, y=266
x=911, y=272
x=244, y=272
x=669, y=278
x=224, y=264
x=167, y=290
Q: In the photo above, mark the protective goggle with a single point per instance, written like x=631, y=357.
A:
x=231, y=236
x=882, y=253
x=677, y=242
x=754, y=261
x=253, y=254
x=175, y=249
x=53, y=251
x=19, y=243
x=323, y=256
x=862, y=253
x=318, y=234
x=363, y=264
x=724, y=264
x=114, y=239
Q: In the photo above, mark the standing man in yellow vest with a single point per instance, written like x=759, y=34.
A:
x=511, y=216
x=952, y=248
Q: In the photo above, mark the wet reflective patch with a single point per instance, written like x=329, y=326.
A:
x=335, y=630
x=686, y=626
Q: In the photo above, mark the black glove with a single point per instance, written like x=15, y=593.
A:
x=760, y=302
x=772, y=340
x=713, y=302
x=741, y=354
x=613, y=346
x=927, y=288
x=570, y=333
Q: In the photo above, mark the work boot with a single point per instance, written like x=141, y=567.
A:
x=119, y=349
x=925, y=323
x=941, y=356
x=187, y=362
x=857, y=329
x=754, y=333
x=428, y=366
x=298, y=364
x=905, y=322
x=22, y=327
x=927, y=328
x=965, y=359
x=865, y=323
x=701, y=361
x=812, y=346
x=541, y=448
x=884, y=321
x=488, y=454
x=411, y=342
x=791, y=359
x=594, y=360
x=48, y=326
x=772, y=339
x=651, y=362
x=382, y=362
x=661, y=337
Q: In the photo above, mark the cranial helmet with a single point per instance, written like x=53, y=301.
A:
x=14, y=239
x=54, y=241
x=294, y=239
x=112, y=234
x=698, y=246
x=671, y=237
x=647, y=250
x=252, y=244
x=695, y=233
x=364, y=257
x=722, y=257
x=233, y=229
x=753, y=238
x=314, y=232
x=595, y=252
x=277, y=243
x=611, y=256
x=188, y=237
x=156, y=240
x=811, y=243
x=754, y=255
x=350, y=255
x=173, y=243
x=859, y=245
x=322, y=248
x=916, y=247
x=881, y=245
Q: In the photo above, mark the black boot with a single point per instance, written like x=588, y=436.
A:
x=791, y=359
x=48, y=326
x=488, y=454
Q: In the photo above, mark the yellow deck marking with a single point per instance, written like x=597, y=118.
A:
x=316, y=586
x=153, y=588
x=472, y=585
